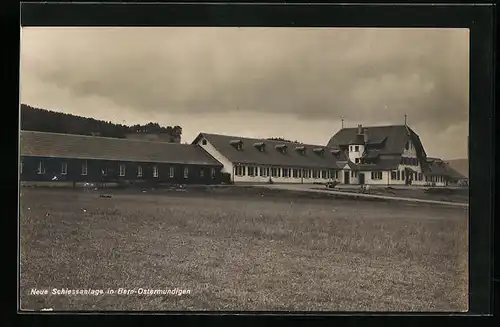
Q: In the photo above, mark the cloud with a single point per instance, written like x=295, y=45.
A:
x=311, y=75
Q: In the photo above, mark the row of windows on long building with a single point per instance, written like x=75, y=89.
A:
x=284, y=172
x=122, y=170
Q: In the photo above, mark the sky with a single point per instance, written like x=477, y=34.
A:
x=296, y=83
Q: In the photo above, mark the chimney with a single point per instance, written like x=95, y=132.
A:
x=365, y=133
x=360, y=129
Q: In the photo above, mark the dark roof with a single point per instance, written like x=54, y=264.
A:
x=395, y=137
x=453, y=173
x=382, y=164
x=293, y=156
x=382, y=140
x=437, y=167
x=41, y=144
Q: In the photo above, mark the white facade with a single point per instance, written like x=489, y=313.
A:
x=244, y=173
x=227, y=166
x=356, y=152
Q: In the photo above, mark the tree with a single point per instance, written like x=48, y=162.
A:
x=282, y=140
x=43, y=120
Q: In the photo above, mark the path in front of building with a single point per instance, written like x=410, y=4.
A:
x=310, y=188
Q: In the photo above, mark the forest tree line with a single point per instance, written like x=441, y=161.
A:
x=282, y=140
x=43, y=120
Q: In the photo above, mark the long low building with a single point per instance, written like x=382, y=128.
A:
x=52, y=156
x=261, y=160
x=376, y=155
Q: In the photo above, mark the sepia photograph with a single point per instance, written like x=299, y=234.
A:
x=244, y=169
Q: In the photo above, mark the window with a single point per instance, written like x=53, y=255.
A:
x=356, y=160
x=278, y=170
x=403, y=175
x=299, y=173
x=352, y=173
x=204, y=142
x=202, y=172
x=155, y=171
x=122, y=170
x=264, y=172
x=295, y=173
x=315, y=173
x=212, y=172
x=84, y=168
x=398, y=177
x=419, y=176
x=41, y=168
x=309, y=173
x=239, y=170
x=334, y=174
x=407, y=145
x=393, y=175
x=171, y=172
x=376, y=175
x=323, y=174
x=139, y=171
x=286, y=172
x=274, y=172
x=186, y=172
x=64, y=168
x=251, y=171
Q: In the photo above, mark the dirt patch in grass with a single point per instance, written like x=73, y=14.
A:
x=241, y=253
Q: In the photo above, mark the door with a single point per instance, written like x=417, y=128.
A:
x=361, y=178
x=346, y=177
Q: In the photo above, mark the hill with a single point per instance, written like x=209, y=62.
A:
x=43, y=120
x=460, y=165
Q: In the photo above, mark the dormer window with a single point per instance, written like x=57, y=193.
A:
x=238, y=144
x=335, y=152
x=281, y=148
x=319, y=151
x=261, y=146
x=301, y=149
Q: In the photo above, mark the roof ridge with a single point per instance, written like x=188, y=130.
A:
x=102, y=137
x=266, y=140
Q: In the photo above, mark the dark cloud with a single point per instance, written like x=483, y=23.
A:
x=370, y=75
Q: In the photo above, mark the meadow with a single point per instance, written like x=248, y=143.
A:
x=240, y=251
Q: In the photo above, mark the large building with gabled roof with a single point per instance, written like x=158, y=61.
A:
x=260, y=160
x=80, y=158
x=374, y=155
x=390, y=155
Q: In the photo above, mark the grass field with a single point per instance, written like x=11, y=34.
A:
x=241, y=252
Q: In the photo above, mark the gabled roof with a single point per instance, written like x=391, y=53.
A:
x=382, y=164
x=382, y=140
x=437, y=167
x=293, y=157
x=395, y=137
x=41, y=144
